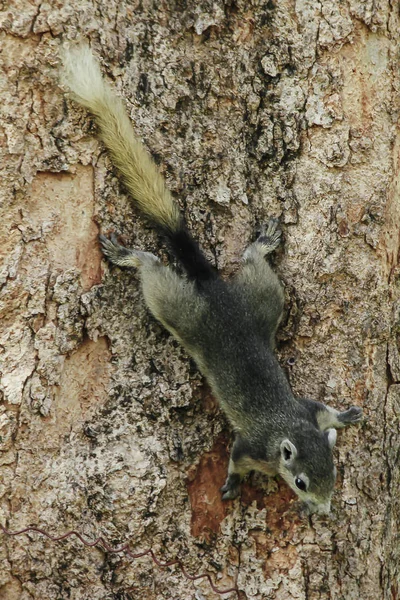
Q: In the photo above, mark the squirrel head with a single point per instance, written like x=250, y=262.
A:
x=306, y=464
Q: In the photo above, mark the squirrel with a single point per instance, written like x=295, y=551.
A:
x=228, y=327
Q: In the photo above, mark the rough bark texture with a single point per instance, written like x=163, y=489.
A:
x=282, y=108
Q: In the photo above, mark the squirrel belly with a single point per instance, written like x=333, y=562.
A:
x=228, y=327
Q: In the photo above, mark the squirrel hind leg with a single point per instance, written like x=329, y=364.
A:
x=268, y=240
x=175, y=302
x=124, y=257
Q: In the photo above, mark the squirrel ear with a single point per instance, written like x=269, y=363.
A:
x=332, y=435
x=288, y=451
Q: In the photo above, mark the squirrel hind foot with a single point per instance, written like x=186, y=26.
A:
x=270, y=236
x=124, y=257
x=268, y=240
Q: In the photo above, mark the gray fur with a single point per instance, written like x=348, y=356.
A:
x=229, y=329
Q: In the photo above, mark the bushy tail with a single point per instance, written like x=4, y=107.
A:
x=141, y=177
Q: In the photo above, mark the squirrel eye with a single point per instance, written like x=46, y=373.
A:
x=300, y=484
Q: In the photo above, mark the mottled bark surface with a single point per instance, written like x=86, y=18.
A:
x=106, y=427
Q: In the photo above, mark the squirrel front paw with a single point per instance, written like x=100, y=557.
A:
x=231, y=489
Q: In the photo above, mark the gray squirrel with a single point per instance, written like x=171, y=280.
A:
x=227, y=327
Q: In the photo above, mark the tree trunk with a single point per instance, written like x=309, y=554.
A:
x=107, y=428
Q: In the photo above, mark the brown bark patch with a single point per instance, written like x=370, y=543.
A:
x=252, y=493
x=389, y=244
x=204, y=483
x=277, y=503
x=363, y=64
x=84, y=381
x=59, y=210
x=83, y=387
x=282, y=523
x=282, y=560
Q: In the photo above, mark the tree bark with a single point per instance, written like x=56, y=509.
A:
x=252, y=109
